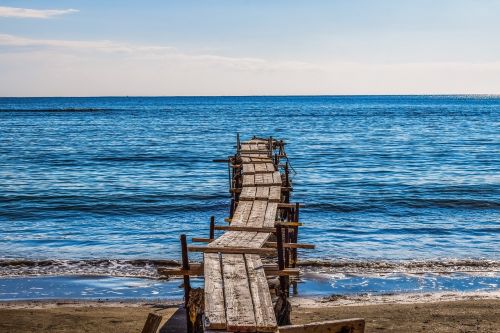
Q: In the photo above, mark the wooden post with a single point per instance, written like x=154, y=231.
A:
x=287, y=183
x=282, y=307
x=281, y=260
x=231, y=209
x=270, y=154
x=229, y=174
x=187, y=283
x=212, y=228
x=287, y=252
x=295, y=237
x=238, y=145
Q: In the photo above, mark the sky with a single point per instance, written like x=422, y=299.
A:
x=248, y=47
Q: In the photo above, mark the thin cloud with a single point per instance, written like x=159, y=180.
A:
x=77, y=45
x=33, y=13
x=151, y=52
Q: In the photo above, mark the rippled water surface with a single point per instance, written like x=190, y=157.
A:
x=391, y=178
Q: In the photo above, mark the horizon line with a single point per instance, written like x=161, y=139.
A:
x=270, y=95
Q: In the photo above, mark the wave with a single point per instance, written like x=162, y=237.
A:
x=403, y=266
x=145, y=268
x=390, y=203
x=148, y=268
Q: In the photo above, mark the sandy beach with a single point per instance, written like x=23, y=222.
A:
x=449, y=312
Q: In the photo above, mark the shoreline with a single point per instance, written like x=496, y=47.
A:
x=296, y=301
x=423, y=312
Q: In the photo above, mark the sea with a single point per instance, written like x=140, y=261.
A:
x=401, y=193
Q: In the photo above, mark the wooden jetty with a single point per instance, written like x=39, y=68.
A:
x=259, y=242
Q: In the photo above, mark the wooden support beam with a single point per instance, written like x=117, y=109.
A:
x=201, y=240
x=252, y=152
x=267, y=244
x=288, y=205
x=197, y=270
x=282, y=223
x=251, y=229
x=355, y=325
x=283, y=189
x=288, y=224
x=232, y=250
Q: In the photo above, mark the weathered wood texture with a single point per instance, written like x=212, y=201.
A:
x=333, y=326
x=152, y=323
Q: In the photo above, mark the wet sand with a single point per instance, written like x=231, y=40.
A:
x=389, y=313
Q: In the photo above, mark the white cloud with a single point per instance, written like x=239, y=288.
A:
x=33, y=13
x=46, y=67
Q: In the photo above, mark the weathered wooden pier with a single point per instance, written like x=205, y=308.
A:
x=259, y=247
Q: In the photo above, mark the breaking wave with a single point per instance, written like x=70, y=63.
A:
x=148, y=268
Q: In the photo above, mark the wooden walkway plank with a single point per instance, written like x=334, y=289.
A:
x=277, y=178
x=215, y=309
x=248, y=169
x=265, y=180
x=248, y=193
x=240, y=315
x=226, y=239
x=260, y=239
x=260, y=167
x=264, y=313
x=242, y=213
x=270, y=167
x=270, y=216
x=255, y=159
x=262, y=193
x=257, y=214
x=248, y=180
x=263, y=147
x=275, y=193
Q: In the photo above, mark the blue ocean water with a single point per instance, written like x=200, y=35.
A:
x=91, y=185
